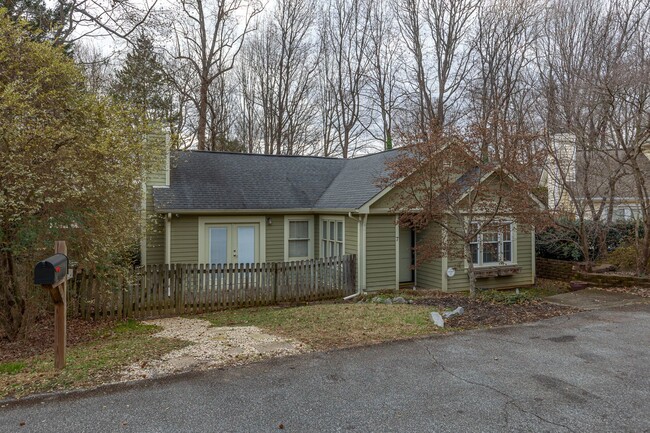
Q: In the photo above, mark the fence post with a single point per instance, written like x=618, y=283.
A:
x=274, y=269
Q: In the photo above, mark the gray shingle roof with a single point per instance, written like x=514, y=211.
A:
x=234, y=181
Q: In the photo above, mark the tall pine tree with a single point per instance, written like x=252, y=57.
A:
x=141, y=82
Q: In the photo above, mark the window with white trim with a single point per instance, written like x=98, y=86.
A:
x=298, y=238
x=332, y=235
x=493, y=245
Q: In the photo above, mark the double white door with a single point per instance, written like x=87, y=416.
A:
x=233, y=243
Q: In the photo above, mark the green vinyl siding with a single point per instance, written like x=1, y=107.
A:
x=524, y=258
x=430, y=272
x=275, y=239
x=351, y=236
x=386, y=202
x=154, y=223
x=380, y=252
x=185, y=239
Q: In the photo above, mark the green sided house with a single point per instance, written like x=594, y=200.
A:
x=215, y=207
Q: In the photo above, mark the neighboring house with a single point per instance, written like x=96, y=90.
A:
x=212, y=207
x=595, y=176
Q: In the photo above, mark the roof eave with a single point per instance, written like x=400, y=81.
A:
x=285, y=211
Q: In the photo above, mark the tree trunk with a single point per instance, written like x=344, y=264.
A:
x=14, y=304
x=470, y=272
x=203, y=114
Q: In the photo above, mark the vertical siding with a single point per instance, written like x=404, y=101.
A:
x=275, y=239
x=429, y=273
x=154, y=223
x=380, y=252
x=525, y=277
x=185, y=239
x=351, y=241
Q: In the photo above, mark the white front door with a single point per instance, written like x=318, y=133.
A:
x=233, y=243
x=405, y=255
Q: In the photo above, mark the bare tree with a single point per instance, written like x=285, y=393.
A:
x=591, y=61
x=209, y=36
x=501, y=92
x=384, y=72
x=247, y=123
x=629, y=125
x=439, y=27
x=448, y=24
x=346, y=31
x=410, y=23
x=282, y=59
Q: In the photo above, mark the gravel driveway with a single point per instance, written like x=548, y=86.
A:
x=211, y=347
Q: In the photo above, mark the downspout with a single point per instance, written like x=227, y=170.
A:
x=360, y=257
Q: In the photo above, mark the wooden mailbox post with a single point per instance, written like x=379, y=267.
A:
x=51, y=273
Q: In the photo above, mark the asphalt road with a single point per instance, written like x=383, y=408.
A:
x=586, y=372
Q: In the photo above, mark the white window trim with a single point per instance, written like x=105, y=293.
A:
x=513, y=241
x=328, y=218
x=203, y=221
x=310, y=250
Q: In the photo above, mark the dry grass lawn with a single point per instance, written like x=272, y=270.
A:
x=87, y=364
x=325, y=326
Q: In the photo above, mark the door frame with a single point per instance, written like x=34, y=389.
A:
x=209, y=220
x=411, y=242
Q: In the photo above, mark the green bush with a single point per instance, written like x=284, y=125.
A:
x=507, y=297
x=562, y=243
x=624, y=258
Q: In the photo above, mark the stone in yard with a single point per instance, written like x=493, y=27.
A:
x=376, y=300
x=578, y=285
x=410, y=301
x=437, y=319
x=388, y=301
x=457, y=312
x=399, y=300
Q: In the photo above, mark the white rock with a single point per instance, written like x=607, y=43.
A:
x=457, y=312
x=437, y=319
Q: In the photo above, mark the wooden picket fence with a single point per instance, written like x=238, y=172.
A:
x=164, y=290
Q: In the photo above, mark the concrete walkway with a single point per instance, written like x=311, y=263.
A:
x=590, y=299
x=586, y=372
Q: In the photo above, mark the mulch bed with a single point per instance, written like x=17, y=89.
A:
x=40, y=338
x=480, y=313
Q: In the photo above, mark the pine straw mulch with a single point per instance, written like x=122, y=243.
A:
x=40, y=337
x=484, y=313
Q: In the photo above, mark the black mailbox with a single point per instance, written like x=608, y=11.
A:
x=51, y=271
